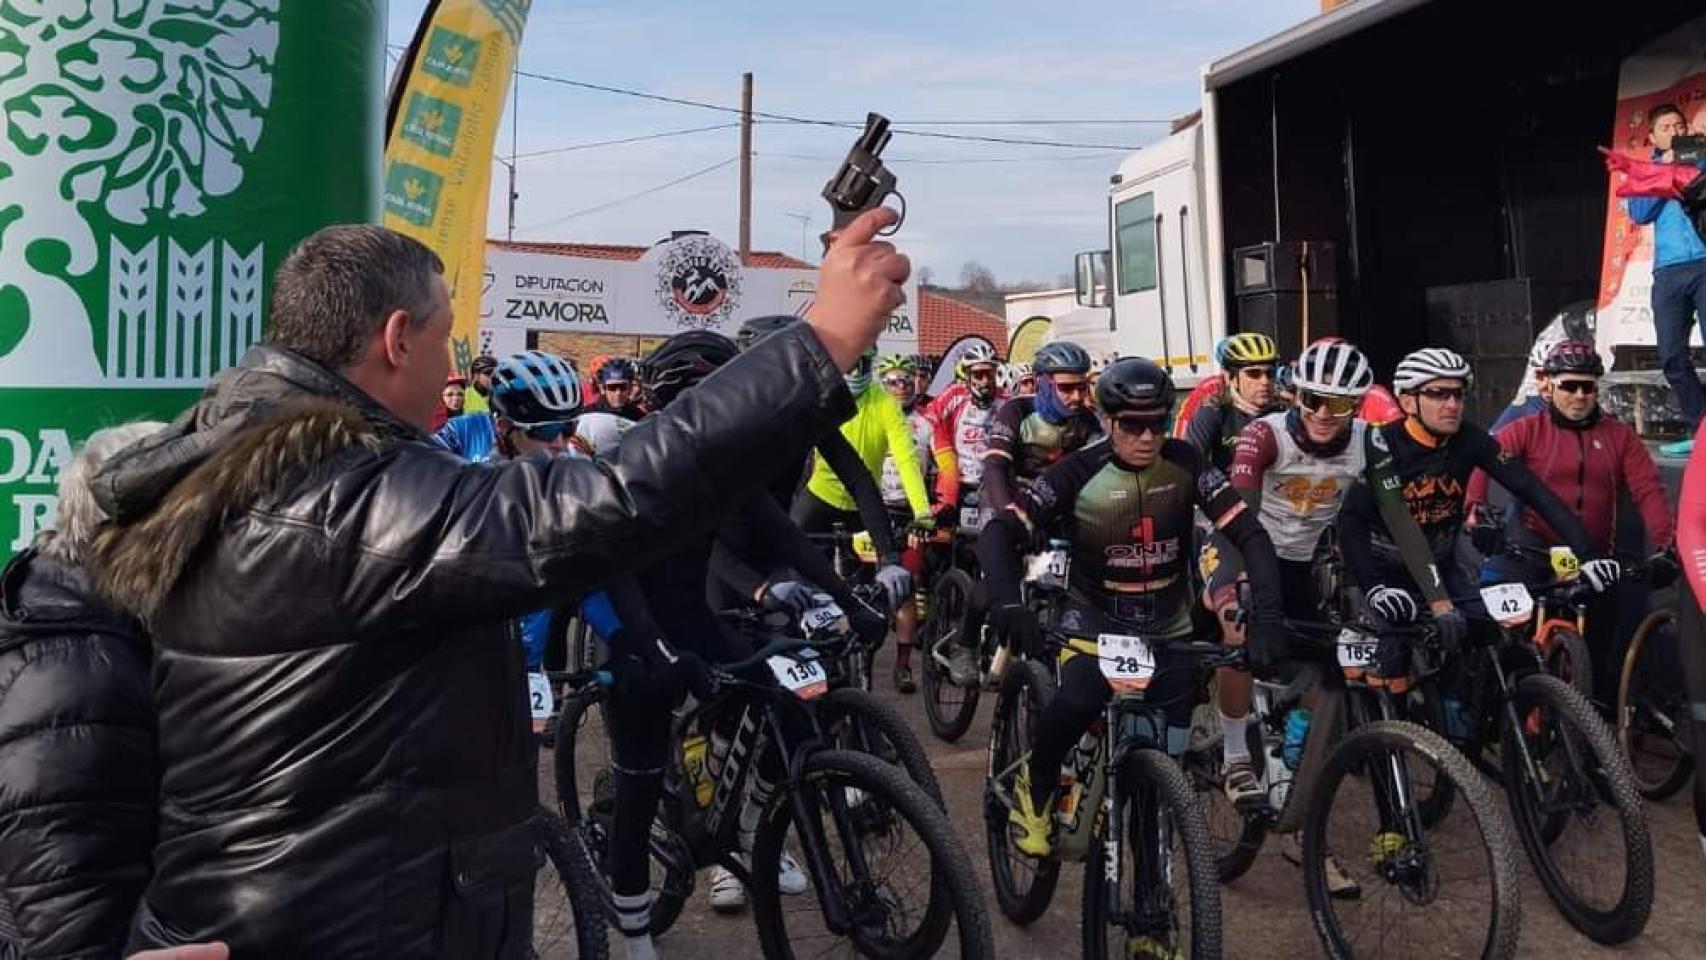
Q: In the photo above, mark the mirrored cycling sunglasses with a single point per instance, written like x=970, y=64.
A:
x=897, y=380
x=1332, y=406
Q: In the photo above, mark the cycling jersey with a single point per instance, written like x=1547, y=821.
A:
x=935, y=454
x=1298, y=494
x=968, y=425
x=1586, y=464
x=1022, y=444
x=1435, y=476
x=1214, y=430
x=1691, y=518
x=878, y=429
x=472, y=436
x=1211, y=390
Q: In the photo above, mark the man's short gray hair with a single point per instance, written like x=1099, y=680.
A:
x=332, y=294
x=79, y=514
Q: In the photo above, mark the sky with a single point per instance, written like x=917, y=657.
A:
x=1020, y=210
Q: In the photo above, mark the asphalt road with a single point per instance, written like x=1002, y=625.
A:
x=1265, y=911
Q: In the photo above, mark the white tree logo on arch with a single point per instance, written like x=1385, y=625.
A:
x=126, y=112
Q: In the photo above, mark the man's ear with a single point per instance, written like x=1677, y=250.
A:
x=394, y=338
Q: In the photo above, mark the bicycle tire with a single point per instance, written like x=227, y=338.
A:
x=1612, y=781
x=883, y=719
x=1027, y=686
x=1234, y=854
x=952, y=607
x=955, y=898
x=1349, y=760
x=572, y=864
x=1567, y=658
x=1139, y=772
x=1436, y=804
x=671, y=890
x=1657, y=782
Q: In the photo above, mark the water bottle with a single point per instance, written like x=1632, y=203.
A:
x=1296, y=731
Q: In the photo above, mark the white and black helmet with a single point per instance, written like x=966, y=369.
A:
x=1428, y=364
x=1333, y=368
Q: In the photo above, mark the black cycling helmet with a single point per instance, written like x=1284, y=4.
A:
x=1061, y=357
x=682, y=361
x=758, y=328
x=1135, y=385
x=617, y=370
x=484, y=363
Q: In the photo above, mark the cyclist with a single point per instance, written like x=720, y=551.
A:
x=479, y=383
x=1024, y=380
x=1247, y=391
x=1295, y=468
x=1097, y=365
x=1531, y=395
x=1434, y=453
x=936, y=452
x=534, y=398
x=1587, y=458
x=878, y=429
x=1030, y=433
x=966, y=411
x=922, y=370
x=1126, y=507
x=666, y=626
x=835, y=452
x=618, y=389
x=1691, y=541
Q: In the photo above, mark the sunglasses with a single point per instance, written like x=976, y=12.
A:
x=1335, y=407
x=897, y=381
x=980, y=373
x=619, y=385
x=1072, y=388
x=1257, y=373
x=1576, y=386
x=1442, y=394
x=546, y=432
x=1136, y=426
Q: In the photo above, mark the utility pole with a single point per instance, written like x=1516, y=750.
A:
x=514, y=136
x=745, y=167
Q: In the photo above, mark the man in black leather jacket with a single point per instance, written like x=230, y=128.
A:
x=77, y=758
x=344, y=733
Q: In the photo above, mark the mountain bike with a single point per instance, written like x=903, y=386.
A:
x=1654, y=726
x=568, y=901
x=953, y=616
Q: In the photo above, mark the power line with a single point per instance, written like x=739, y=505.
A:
x=812, y=121
x=611, y=143
x=634, y=196
x=1053, y=159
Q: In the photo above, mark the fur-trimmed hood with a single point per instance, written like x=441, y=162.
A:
x=271, y=417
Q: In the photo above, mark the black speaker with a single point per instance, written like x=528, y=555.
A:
x=1281, y=315
x=1290, y=265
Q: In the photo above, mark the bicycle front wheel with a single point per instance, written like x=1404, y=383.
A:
x=568, y=901
x=1169, y=890
x=950, y=623
x=1580, y=817
x=899, y=884
x=857, y=721
x=1024, y=885
x=1652, y=709
x=1408, y=887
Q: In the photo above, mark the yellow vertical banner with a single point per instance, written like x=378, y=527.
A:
x=442, y=125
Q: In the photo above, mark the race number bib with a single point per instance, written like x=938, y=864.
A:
x=1564, y=563
x=539, y=697
x=820, y=618
x=972, y=519
x=1508, y=603
x=1356, y=651
x=805, y=678
x=1127, y=662
x=1048, y=567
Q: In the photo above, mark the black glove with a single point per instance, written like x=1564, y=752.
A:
x=653, y=668
x=946, y=515
x=1018, y=627
x=1266, y=648
x=1486, y=531
x=870, y=625
x=1602, y=574
x=1392, y=604
x=1663, y=568
x=1453, y=629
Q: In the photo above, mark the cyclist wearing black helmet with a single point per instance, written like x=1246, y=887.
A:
x=479, y=383
x=1029, y=433
x=619, y=389
x=1127, y=508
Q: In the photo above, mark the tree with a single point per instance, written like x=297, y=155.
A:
x=926, y=276
x=136, y=109
x=978, y=278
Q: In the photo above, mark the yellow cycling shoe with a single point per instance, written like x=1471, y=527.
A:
x=1386, y=845
x=1149, y=948
x=1032, y=837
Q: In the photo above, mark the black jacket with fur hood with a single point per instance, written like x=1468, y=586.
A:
x=347, y=767
x=77, y=770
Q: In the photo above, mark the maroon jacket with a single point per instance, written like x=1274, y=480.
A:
x=1586, y=466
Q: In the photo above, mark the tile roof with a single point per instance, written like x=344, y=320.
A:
x=942, y=320
x=769, y=259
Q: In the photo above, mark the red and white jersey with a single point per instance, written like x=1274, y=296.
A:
x=1301, y=493
x=968, y=425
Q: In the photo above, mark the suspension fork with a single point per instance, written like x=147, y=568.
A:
x=1391, y=778
x=1512, y=718
x=1113, y=828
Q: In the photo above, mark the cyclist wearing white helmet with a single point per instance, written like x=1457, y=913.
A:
x=1530, y=394
x=1434, y=453
x=1296, y=467
x=966, y=411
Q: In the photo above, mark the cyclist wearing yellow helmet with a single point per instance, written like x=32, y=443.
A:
x=1247, y=374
